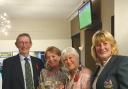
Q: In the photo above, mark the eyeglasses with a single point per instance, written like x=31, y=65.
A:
x=24, y=43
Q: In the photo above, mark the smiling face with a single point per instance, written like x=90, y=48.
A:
x=52, y=59
x=103, y=50
x=52, y=56
x=103, y=46
x=70, y=62
x=70, y=58
x=23, y=44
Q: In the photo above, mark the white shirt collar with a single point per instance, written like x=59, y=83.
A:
x=105, y=62
x=22, y=57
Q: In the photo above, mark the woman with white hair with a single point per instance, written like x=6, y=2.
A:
x=79, y=78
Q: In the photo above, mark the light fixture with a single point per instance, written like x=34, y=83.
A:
x=5, y=23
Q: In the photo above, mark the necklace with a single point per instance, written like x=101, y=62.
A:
x=73, y=80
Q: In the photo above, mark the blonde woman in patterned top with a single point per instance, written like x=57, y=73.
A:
x=53, y=76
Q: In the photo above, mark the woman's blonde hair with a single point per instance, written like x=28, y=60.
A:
x=102, y=36
x=54, y=50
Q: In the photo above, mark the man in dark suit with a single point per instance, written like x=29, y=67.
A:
x=112, y=72
x=14, y=69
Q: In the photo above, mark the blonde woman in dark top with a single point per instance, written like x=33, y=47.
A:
x=112, y=72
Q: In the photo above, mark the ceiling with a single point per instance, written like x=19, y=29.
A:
x=39, y=8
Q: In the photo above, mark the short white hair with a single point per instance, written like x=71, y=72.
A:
x=70, y=51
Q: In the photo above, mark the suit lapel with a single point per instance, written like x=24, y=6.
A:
x=19, y=71
x=106, y=71
x=95, y=73
x=35, y=72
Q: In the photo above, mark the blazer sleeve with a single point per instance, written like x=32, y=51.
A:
x=122, y=73
x=6, y=83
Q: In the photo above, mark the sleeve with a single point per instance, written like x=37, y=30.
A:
x=41, y=76
x=41, y=80
x=122, y=73
x=85, y=79
x=6, y=81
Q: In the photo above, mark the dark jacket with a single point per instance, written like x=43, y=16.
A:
x=114, y=74
x=12, y=72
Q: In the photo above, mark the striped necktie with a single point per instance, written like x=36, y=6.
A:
x=28, y=75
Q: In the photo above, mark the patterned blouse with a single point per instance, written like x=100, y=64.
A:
x=80, y=80
x=50, y=79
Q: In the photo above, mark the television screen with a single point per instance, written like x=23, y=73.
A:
x=85, y=15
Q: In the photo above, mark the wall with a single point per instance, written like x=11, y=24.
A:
x=38, y=45
x=107, y=10
x=121, y=25
x=82, y=45
x=39, y=28
x=75, y=26
x=44, y=33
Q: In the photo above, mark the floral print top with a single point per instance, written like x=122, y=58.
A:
x=49, y=79
x=80, y=80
